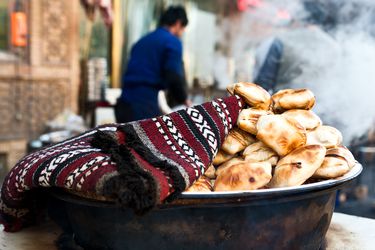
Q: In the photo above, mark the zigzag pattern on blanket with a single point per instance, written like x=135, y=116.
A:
x=139, y=164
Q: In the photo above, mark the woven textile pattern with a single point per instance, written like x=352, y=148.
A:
x=139, y=164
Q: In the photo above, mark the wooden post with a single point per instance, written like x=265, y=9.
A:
x=116, y=45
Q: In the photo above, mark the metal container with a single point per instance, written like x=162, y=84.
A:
x=282, y=218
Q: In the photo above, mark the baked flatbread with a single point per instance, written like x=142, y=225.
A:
x=258, y=152
x=307, y=118
x=324, y=135
x=236, y=141
x=281, y=134
x=292, y=99
x=225, y=165
x=210, y=172
x=298, y=166
x=343, y=152
x=332, y=167
x=203, y=184
x=253, y=94
x=221, y=157
x=230, y=88
x=248, y=118
x=244, y=176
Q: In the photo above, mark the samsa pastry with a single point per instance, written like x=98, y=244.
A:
x=225, y=165
x=236, y=141
x=343, y=152
x=307, y=118
x=210, y=172
x=287, y=99
x=338, y=161
x=253, y=95
x=258, y=152
x=281, y=134
x=298, y=166
x=230, y=88
x=248, y=118
x=221, y=157
x=203, y=184
x=333, y=166
x=324, y=135
x=244, y=176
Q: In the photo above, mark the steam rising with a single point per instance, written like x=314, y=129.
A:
x=345, y=90
x=346, y=93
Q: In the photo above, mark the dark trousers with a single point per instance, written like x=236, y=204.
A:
x=128, y=112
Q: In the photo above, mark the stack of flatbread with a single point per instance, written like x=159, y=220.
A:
x=278, y=142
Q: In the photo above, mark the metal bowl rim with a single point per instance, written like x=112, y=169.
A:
x=187, y=198
x=320, y=185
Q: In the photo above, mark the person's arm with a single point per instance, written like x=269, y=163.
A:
x=173, y=73
x=176, y=86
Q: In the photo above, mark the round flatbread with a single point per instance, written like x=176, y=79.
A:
x=244, y=176
x=248, y=118
x=258, y=152
x=210, y=172
x=343, y=152
x=203, y=184
x=333, y=166
x=231, y=162
x=287, y=99
x=281, y=134
x=222, y=157
x=298, y=166
x=324, y=135
x=236, y=141
x=307, y=118
x=253, y=95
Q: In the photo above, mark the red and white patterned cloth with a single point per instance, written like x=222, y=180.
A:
x=140, y=164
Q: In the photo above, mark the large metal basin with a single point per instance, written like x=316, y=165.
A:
x=283, y=218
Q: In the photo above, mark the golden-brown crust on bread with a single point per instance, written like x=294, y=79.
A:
x=225, y=165
x=203, y=184
x=327, y=136
x=281, y=134
x=253, y=95
x=287, y=99
x=230, y=88
x=244, y=176
x=222, y=157
x=210, y=172
x=298, y=166
x=343, y=152
x=333, y=166
x=236, y=141
x=258, y=151
x=307, y=118
x=248, y=118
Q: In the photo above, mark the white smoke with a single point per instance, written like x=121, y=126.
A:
x=341, y=76
x=346, y=92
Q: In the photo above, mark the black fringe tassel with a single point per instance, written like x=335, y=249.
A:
x=133, y=187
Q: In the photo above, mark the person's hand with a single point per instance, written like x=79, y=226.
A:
x=188, y=103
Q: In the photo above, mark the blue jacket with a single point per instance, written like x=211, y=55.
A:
x=150, y=57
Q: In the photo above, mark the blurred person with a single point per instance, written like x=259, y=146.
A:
x=293, y=58
x=267, y=63
x=300, y=51
x=155, y=64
